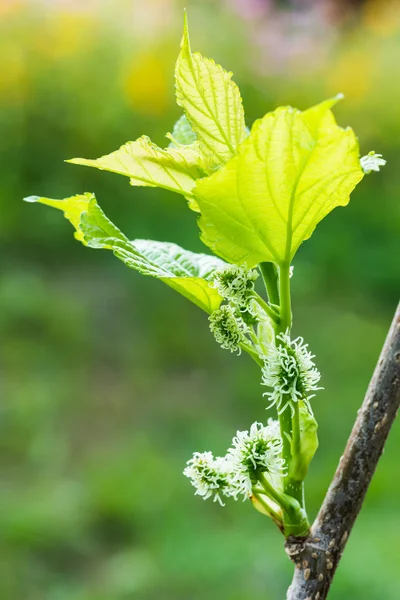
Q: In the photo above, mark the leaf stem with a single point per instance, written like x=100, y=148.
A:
x=289, y=425
x=294, y=519
x=257, y=490
x=286, y=424
x=285, y=301
x=266, y=307
x=296, y=429
x=272, y=493
x=297, y=487
x=290, y=432
x=269, y=274
x=253, y=353
x=258, y=494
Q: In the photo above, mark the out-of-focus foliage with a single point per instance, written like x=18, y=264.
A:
x=109, y=381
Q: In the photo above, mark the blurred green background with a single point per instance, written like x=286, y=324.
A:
x=109, y=380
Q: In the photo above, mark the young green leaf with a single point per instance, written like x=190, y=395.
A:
x=303, y=455
x=186, y=272
x=182, y=133
x=293, y=169
x=72, y=208
x=146, y=164
x=211, y=102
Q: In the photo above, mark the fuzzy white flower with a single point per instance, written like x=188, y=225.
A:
x=254, y=452
x=235, y=283
x=228, y=328
x=209, y=475
x=372, y=162
x=290, y=371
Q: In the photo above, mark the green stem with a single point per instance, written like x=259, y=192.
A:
x=290, y=432
x=253, y=353
x=285, y=417
x=295, y=520
x=270, y=311
x=290, y=426
x=253, y=336
x=296, y=486
x=279, y=498
x=258, y=490
x=271, y=512
x=296, y=428
x=270, y=276
x=284, y=289
x=285, y=422
x=295, y=489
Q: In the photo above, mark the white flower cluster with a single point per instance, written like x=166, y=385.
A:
x=209, y=475
x=372, y=162
x=290, y=371
x=228, y=328
x=236, y=284
x=252, y=453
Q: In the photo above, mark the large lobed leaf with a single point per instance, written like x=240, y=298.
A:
x=175, y=169
x=212, y=103
x=293, y=169
x=206, y=136
x=186, y=272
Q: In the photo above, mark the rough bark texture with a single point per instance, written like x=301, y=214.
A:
x=317, y=557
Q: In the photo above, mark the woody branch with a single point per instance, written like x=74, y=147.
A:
x=317, y=557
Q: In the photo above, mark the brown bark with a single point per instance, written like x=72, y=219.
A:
x=317, y=557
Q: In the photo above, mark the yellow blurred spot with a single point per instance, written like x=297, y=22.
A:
x=382, y=16
x=353, y=74
x=145, y=85
x=8, y=7
x=66, y=35
x=13, y=74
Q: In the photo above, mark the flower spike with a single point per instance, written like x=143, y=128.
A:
x=209, y=475
x=254, y=452
x=229, y=329
x=236, y=284
x=290, y=371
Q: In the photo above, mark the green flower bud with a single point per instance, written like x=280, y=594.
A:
x=236, y=284
x=228, y=328
x=290, y=371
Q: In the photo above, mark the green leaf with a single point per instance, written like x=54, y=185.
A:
x=182, y=133
x=174, y=169
x=211, y=102
x=302, y=458
x=186, y=272
x=293, y=169
x=72, y=207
